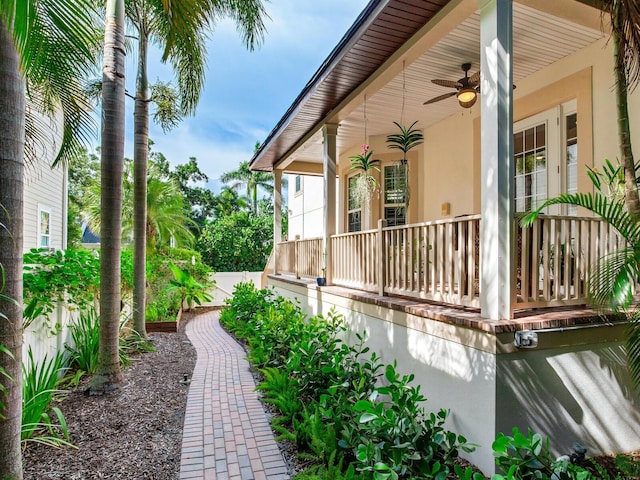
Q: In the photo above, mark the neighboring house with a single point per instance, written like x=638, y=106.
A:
x=45, y=226
x=443, y=283
x=305, y=206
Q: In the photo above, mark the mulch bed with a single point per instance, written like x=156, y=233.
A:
x=134, y=432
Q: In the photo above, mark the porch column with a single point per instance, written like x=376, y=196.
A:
x=496, y=231
x=277, y=216
x=329, y=134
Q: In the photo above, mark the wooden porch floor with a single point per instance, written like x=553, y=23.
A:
x=527, y=319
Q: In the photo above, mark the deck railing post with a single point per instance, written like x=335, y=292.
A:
x=382, y=223
x=296, y=257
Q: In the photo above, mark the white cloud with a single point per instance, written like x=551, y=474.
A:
x=246, y=93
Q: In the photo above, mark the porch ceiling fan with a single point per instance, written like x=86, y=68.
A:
x=467, y=88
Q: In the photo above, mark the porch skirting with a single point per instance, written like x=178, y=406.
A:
x=572, y=387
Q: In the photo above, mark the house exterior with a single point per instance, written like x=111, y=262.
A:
x=45, y=226
x=491, y=318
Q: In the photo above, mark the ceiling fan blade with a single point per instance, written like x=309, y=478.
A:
x=440, y=97
x=447, y=83
x=475, y=78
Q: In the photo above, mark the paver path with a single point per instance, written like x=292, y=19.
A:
x=226, y=432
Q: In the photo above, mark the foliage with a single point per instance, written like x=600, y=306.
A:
x=4, y=373
x=191, y=291
x=252, y=179
x=85, y=335
x=407, y=139
x=40, y=384
x=527, y=457
x=327, y=396
x=238, y=242
x=366, y=183
x=71, y=276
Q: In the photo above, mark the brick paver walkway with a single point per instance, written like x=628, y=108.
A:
x=226, y=432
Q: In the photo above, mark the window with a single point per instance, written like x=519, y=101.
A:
x=44, y=228
x=298, y=182
x=530, y=151
x=355, y=207
x=395, y=184
x=545, y=151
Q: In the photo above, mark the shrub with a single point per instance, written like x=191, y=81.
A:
x=39, y=388
x=326, y=393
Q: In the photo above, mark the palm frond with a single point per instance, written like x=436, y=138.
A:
x=407, y=139
x=624, y=18
x=612, y=211
x=613, y=279
x=633, y=347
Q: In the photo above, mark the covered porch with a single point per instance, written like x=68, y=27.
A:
x=458, y=241
x=439, y=261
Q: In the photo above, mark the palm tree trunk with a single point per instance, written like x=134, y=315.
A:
x=109, y=375
x=12, y=112
x=140, y=153
x=632, y=198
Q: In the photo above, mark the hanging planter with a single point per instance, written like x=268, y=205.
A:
x=407, y=139
x=366, y=184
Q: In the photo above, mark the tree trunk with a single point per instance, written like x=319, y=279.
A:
x=140, y=153
x=632, y=200
x=12, y=131
x=109, y=375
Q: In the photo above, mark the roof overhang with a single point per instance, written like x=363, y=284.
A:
x=389, y=55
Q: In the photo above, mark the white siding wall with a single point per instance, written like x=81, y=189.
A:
x=44, y=187
x=306, y=207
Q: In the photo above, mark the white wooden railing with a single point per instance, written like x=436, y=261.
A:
x=302, y=258
x=555, y=257
x=440, y=260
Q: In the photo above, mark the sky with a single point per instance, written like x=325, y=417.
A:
x=246, y=93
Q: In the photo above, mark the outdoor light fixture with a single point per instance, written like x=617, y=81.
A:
x=467, y=97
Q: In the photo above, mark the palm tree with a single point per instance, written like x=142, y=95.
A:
x=167, y=215
x=251, y=179
x=108, y=373
x=228, y=203
x=181, y=30
x=46, y=45
x=625, y=28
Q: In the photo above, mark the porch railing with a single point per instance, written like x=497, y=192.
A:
x=555, y=257
x=440, y=260
x=302, y=258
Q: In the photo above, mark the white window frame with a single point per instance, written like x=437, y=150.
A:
x=386, y=205
x=357, y=209
x=41, y=235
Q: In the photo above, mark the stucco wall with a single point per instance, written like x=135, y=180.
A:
x=43, y=339
x=574, y=387
x=573, y=394
x=452, y=375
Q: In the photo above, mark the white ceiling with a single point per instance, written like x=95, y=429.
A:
x=540, y=39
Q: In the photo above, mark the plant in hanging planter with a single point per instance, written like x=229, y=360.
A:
x=408, y=138
x=366, y=183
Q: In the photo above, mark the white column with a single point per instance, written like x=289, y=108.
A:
x=496, y=232
x=329, y=133
x=277, y=215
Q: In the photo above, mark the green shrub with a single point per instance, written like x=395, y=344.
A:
x=40, y=384
x=71, y=276
x=326, y=392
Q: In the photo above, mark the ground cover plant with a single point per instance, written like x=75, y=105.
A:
x=353, y=416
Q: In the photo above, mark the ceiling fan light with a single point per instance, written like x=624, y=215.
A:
x=467, y=97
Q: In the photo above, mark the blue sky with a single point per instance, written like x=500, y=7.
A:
x=246, y=93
